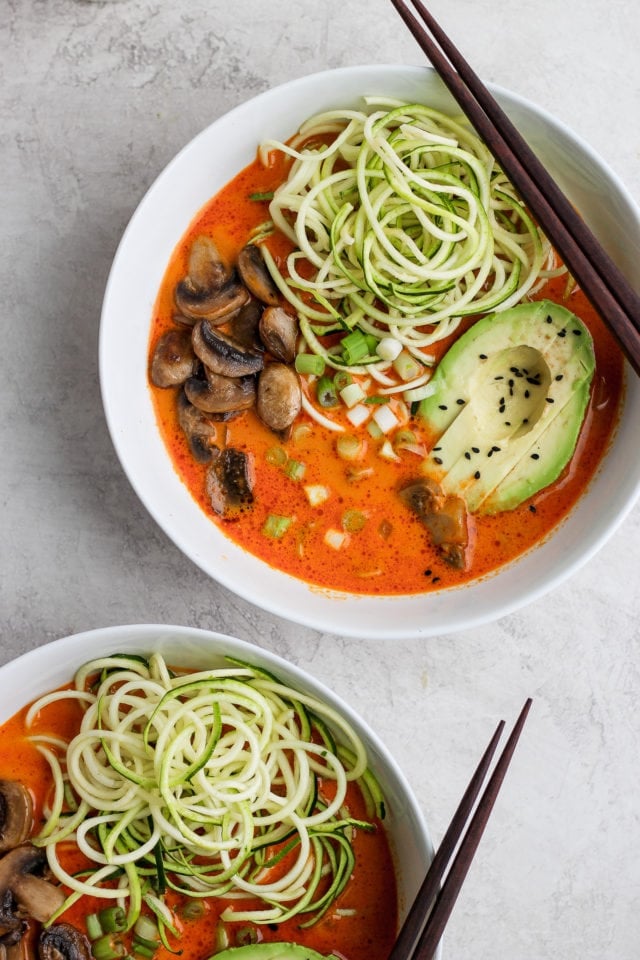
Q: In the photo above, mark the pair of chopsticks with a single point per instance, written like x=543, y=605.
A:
x=603, y=283
x=427, y=918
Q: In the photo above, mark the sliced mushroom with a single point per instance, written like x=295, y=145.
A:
x=445, y=517
x=220, y=394
x=62, y=941
x=16, y=814
x=229, y=482
x=279, y=332
x=206, y=269
x=207, y=275
x=34, y=896
x=243, y=326
x=200, y=432
x=11, y=926
x=254, y=274
x=173, y=359
x=279, y=396
x=222, y=354
x=214, y=305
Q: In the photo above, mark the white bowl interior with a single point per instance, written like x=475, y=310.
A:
x=190, y=180
x=49, y=666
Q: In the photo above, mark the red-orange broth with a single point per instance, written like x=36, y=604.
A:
x=392, y=553
x=365, y=931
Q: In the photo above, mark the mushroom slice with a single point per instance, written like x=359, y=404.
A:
x=173, y=359
x=16, y=814
x=35, y=897
x=220, y=394
x=243, y=326
x=444, y=516
x=254, y=274
x=200, y=432
x=62, y=941
x=214, y=305
x=206, y=269
x=229, y=483
x=222, y=354
x=279, y=396
x=279, y=332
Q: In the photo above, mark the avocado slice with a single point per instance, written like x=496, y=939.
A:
x=269, y=951
x=510, y=398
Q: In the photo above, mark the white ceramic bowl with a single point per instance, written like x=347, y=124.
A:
x=190, y=180
x=49, y=666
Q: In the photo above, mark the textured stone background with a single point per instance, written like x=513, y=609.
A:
x=95, y=98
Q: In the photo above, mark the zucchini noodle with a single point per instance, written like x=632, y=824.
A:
x=402, y=223
x=211, y=784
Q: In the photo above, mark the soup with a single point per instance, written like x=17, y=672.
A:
x=318, y=493
x=193, y=813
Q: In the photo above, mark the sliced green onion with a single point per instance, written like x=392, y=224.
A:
x=310, y=363
x=276, y=526
x=276, y=456
x=108, y=948
x=267, y=195
x=146, y=928
x=342, y=379
x=349, y=447
x=352, y=394
x=93, y=925
x=406, y=366
x=295, y=469
x=112, y=920
x=354, y=347
x=326, y=392
x=353, y=521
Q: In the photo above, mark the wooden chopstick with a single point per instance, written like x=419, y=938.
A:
x=602, y=281
x=428, y=916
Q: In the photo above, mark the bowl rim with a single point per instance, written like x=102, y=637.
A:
x=26, y=677
x=314, y=614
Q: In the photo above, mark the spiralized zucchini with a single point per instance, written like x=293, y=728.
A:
x=206, y=783
x=401, y=225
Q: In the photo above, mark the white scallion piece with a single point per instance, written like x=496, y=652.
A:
x=385, y=418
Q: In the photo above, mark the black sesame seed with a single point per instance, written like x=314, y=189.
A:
x=427, y=573
x=490, y=452
x=496, y=449
x=460, y=402
x=467, y=455
x=437, y=460
x=578, y=333
x=476, y=449
x=559, y=376
x=533, y=381
x=437, y=448
x=549, y=399
x=526, y=420
x=501, y=408
x=477, y=475
x=482, y=356
x=443, y=406
x=532, y=508
x=549, y=320
x=527, y=394
x=499, y=377
x=436, y=580
x=507, y=423
x=562, y=333
x=535, y=456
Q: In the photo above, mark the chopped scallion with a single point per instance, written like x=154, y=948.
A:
x=275, y=526
x=354, y=347
x=326, y=392
x=310, y=363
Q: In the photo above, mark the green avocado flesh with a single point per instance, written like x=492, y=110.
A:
x=269, y=951
x=510, y=398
